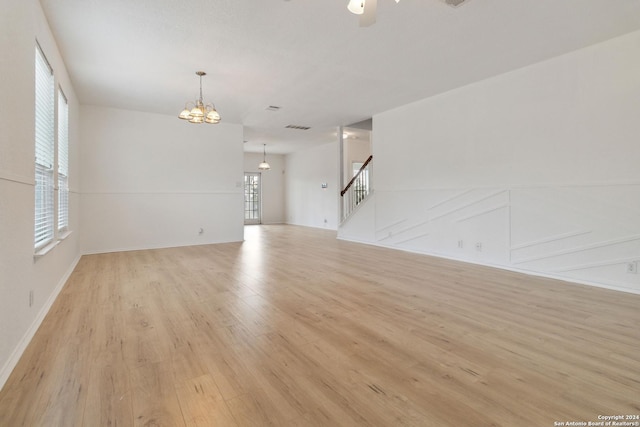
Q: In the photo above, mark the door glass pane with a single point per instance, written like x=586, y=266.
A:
x=252, y=198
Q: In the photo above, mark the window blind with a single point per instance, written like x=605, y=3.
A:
x=63, y=161
x=44, y=141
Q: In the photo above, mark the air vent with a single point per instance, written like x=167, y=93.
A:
x=454, y=3
x=273, y=108
x=297, y=127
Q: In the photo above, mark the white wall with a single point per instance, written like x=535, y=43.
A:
x=307, y=203
x=154, y=181
x=21, y=23
x=540, y=165
x=272, y=182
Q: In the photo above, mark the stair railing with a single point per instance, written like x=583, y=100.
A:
x=356, y=190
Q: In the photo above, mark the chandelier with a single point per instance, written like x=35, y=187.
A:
x=198, y=112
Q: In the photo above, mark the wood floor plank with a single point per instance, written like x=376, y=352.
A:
x=202, y=404
x=295, y=328
x=108, y=396
x=249, y=411
x=154, y=398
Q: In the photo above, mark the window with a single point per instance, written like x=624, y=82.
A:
x=63, y=162
x=52, y=158
x=44, y=208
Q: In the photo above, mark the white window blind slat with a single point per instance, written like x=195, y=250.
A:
x=63, y=162
x=44, y=151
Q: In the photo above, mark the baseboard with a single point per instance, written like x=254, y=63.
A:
x=610, y=286
x=154, y=247
x=311, y=226
x=13, y=360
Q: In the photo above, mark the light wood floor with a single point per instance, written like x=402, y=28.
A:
x=295, y=328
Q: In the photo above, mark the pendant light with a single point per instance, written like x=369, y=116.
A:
x=264, y=166
x=199, y=112
x=367, y=10
x=356, y=7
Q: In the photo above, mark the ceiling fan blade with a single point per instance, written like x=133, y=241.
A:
x=368, y=17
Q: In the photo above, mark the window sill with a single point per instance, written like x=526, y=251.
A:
x=64, y=234
x=49, y=247
x=45, y=250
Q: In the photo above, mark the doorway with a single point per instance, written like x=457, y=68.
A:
x=252, y=198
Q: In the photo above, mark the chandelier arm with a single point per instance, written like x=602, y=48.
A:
x=199, y=112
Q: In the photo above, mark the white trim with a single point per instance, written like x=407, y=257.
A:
x=549, y=239
x=334, y=229
x=138, y=193
x=11, y=177
x=469, y=204
x=583, y=248
x=484, y=212
x=404, y=230
x=381, y=230
x=64, y=234
x=412, y=238
x=550, y=185
x=421, y=223
x=40, y=252
x=571, y=280
x=15, y=356
x=607, y=263
x=359, y=206
x=451, y=198
x=154, y=247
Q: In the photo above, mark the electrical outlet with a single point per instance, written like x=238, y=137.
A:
x=479, y=246
x=460, y=244
x=632, y=267
x=30, y=298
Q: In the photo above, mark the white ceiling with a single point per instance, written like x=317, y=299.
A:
x=310, y=57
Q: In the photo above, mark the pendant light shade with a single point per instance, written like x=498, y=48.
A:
x=367, y=10
x=264, y=166
x=356, y=6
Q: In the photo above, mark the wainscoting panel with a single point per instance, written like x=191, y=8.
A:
x=463, y=223
x=588, y=233
x=584, y=233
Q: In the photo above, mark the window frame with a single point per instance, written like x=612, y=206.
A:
x=44, y=212
x=51, y=140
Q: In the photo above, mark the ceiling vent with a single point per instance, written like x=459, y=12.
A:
x=454, y=3
x=297, y=127
x=273, y=108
